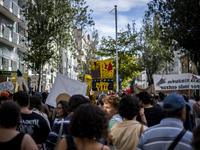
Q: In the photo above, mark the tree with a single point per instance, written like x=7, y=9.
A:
x=85, y=69
x=50, y=27
x=157, y=53
x=180, y=18
x=127, y=52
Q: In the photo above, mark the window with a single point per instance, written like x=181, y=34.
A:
x=5, y=64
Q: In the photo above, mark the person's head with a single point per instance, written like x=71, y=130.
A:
x=144, y=97
x=196, y=138
x=21, y=98
x=4, y=96
x=35, y=102
x=161, y=97
x=89, y=121
x=185, y=98
x=197, y=98
x=44, y=95
x=129, y=107
x=75, y=101
x=111, y=105
x=39, y=95
x=174, y=106
x=101, y=97
x=192, y=97
x=9, y=114
x=132, y=92
x=62, y=109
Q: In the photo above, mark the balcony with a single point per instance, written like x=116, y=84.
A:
x=11, y=38
x=11, y=10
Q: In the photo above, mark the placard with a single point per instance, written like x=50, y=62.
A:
x=64, y=84
x=6, y=86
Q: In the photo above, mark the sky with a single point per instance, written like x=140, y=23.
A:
x=127, y=10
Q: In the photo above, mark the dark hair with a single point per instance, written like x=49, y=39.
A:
x=145, y=97
x=196, y=138
x=132, y=92
x=185, y=98
x=75, y=101
x=161, y=95
x=21, y=97
x=129, y=107
x=9, y=114
x=101, y=97
x=44, y=95
x=65, y=106
x=35, y=103
x=171, y=114
x=89, y=121
x=112, y=99
x=197, y=98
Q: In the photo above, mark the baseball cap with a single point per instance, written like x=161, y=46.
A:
x=175, y=100
x=4, y=94
x=63, y=97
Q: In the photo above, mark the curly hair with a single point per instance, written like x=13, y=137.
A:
x=112, y=99
x=89, y=121
x=145, y=97
x=129, y=107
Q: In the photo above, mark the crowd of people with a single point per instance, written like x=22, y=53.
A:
x=118, y=121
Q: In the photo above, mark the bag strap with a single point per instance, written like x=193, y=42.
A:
x=198, y=104
x=59, y=135
x=177, y=139
x=70, y=143
x=141, y=129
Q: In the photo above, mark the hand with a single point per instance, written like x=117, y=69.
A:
x=141, y=111
x=109, y=138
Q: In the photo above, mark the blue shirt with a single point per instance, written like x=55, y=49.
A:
x=160, y=137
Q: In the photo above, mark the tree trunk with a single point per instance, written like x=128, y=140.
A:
x=39, y=80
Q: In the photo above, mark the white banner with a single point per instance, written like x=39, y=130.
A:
x=64, y=84
x=6, y=86
x=176, y=82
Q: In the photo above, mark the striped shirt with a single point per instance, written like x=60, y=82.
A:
x=160, y=137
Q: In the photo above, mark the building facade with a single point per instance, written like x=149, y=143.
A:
x=12, y=35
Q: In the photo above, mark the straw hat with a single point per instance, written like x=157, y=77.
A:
x=63, y=97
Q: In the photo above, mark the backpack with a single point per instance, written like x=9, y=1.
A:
x=198, y=111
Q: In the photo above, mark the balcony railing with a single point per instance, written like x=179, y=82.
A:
x=11, y=36
x=12, y=7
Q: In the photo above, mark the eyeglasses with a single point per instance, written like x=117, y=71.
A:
x=59, y=108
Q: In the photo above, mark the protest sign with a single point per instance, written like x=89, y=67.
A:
x=22, y=83
x=176, y=82
x=64, y=84
x=6, y=86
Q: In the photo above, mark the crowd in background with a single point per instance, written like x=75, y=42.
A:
x=116, y=121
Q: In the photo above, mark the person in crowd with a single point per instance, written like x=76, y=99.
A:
x=153, y=101
x=4, y=96
x=10, y=139
x=188, y=109
x=161, y=97
x=31, y=123
x=45, y=108
x=35, y=106
x=44, y=97
x=66, y=112
x=161, y=136
x=88, y=123
x=191, y=103
x=196, y=138
x=111, y=108
x=100, y=99
x=153, y=114
x=196, y=117
x=126, y=135
x=132, y=93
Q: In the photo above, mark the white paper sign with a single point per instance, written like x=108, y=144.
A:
x=176, y=82
x=6, y=86
x=64, y=84
x=22, y=82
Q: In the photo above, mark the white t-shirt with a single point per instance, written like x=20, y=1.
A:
x=191, y=103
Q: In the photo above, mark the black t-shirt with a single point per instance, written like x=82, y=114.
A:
x=34, y=125
x=153, y=115
x=187, y=118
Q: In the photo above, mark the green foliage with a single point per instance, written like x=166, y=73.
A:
x=85, y=68
x=157, y=52
x=50, y=27
x=180, y=19
x=127, y=52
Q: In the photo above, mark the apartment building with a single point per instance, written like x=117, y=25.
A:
x=12, y=35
